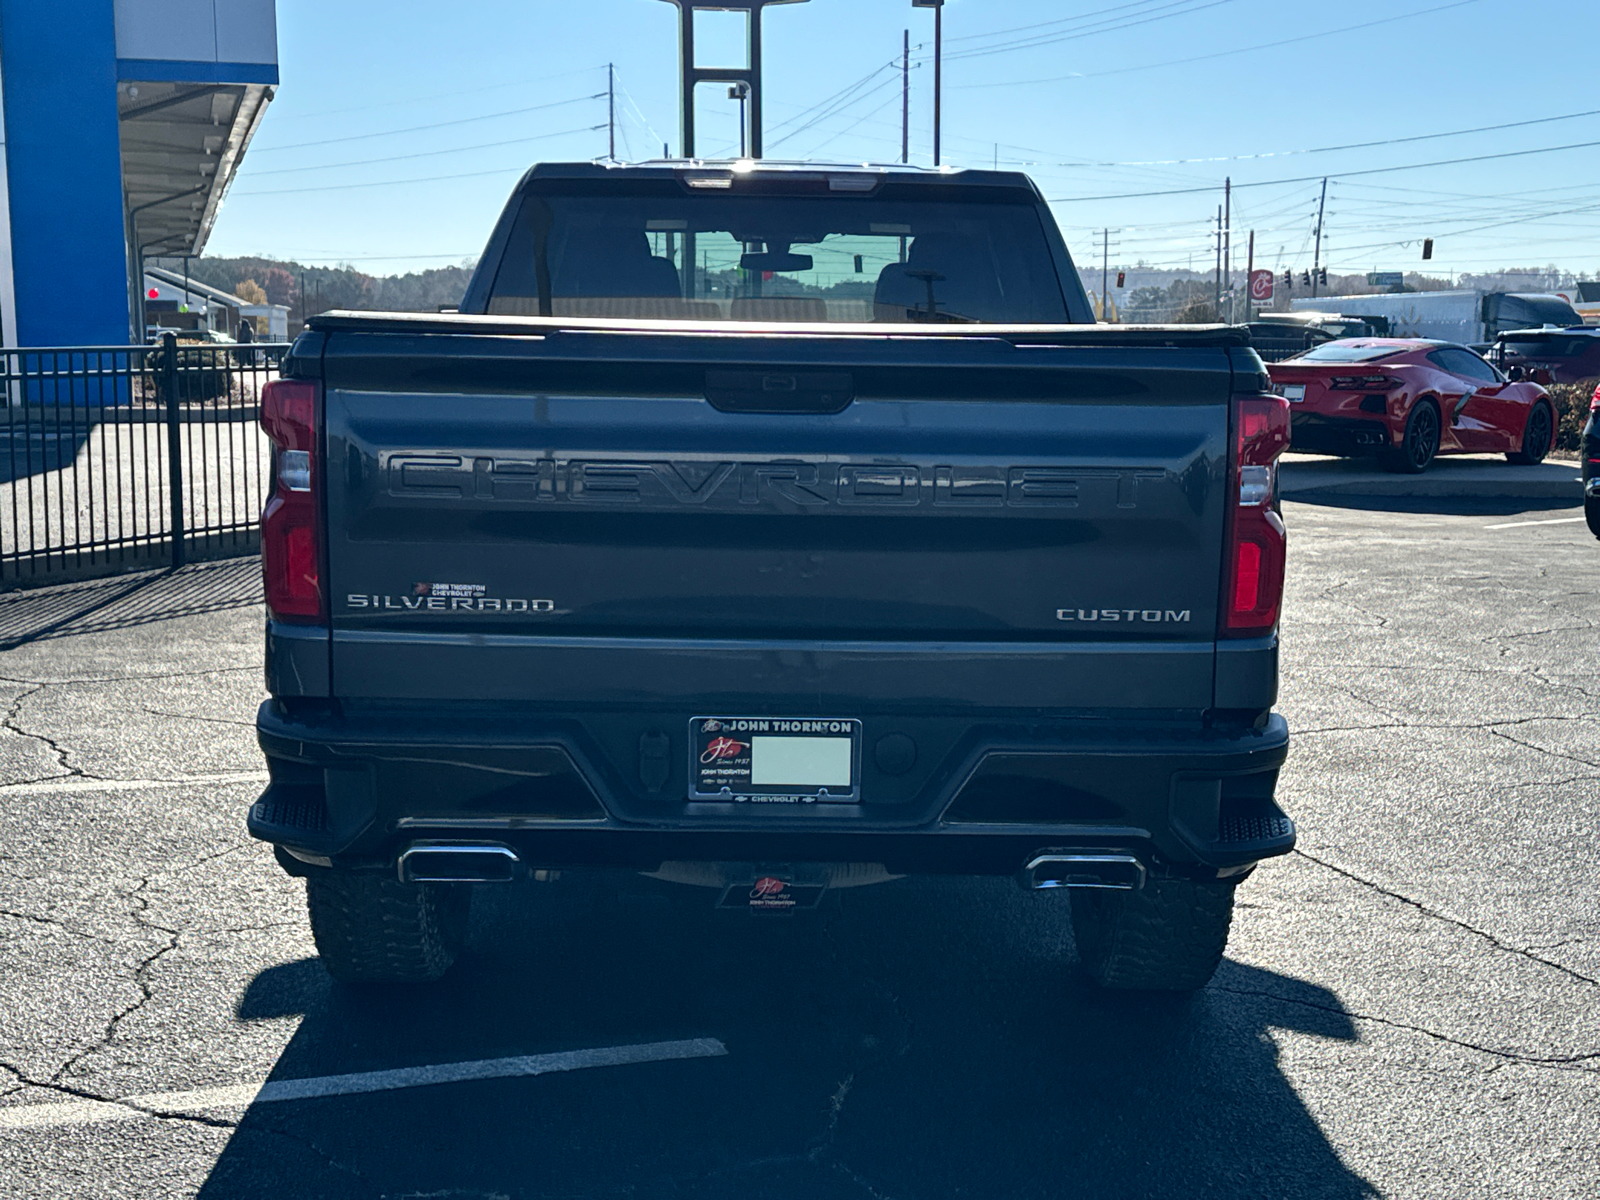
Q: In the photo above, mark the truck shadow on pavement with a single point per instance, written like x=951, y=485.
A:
x=921, y=1038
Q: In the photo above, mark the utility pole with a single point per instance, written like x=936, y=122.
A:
x=1217, y=295
x=1249, y=273
x=905, y=99
x=1316, y=256
x=611, y=112
x=1227, y=242
x=1105, y=273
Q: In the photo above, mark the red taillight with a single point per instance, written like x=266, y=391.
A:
x=1256, y=539
x=291, y=558
x=1594, y=401
x=1246, y=576
x=1362, y=383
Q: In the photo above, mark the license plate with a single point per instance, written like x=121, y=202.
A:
x=775, y=760
x=1293, y=392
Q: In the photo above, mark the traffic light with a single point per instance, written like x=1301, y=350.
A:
x=1427, y=248
x=1322, y=276
x=1122, y=278
x=1288, y=279
x=1305, y=278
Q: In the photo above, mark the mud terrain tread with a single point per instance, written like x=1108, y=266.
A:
x=374, y=929
x=1167, y=936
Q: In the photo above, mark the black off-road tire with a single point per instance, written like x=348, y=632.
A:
x=1591, y=513
x=1420, y=443
x=1538, y=436
x=371, y=928
x=1166, y=936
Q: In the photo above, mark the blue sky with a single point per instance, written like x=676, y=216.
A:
x=400, y=126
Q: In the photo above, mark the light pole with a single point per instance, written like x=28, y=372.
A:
x=938, y=63
x=741, y=92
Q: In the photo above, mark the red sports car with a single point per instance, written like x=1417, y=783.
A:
x=1408, y=399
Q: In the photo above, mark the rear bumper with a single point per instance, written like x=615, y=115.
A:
x=1318, y=434
x=593, y=790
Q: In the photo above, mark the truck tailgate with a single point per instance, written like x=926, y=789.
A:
x=616, y=516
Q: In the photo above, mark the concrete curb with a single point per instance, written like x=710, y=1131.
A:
x=1482, y=477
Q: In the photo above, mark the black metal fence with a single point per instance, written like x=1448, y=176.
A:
x=121, y=457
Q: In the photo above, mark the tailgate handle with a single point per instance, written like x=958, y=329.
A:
x=780, y=391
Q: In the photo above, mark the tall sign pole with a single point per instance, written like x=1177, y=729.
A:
x=749, y=74
x=1249, y=273
x=938, y=74
x=938, y=65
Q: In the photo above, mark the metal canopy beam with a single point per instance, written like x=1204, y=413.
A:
x=134, y=112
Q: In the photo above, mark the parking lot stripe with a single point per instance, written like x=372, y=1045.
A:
x=1524, y=524
x=85, y=1112
x=80, y=783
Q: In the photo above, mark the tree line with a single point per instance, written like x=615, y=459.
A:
x=308, y=290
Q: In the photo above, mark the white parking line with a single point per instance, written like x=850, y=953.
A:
x=1524, y=524
x=76, y=783
x=85, y=1112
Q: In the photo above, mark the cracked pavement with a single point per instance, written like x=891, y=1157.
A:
x=1410, y=1006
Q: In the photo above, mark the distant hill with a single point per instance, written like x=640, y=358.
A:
x=284, y=282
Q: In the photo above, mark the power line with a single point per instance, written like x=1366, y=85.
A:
x=838, y=109
x=833, y=104
x=340, y=187
x=1111, y=25
x=1176, y=62
x=364, y=162
x=833, y=137
x=968, y=37
x=358, y=137
x=1395, y=141
x=279, y=117
x=639, y=114
x=1443, y=162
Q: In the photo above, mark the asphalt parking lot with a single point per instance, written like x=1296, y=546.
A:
x=1410, y=1006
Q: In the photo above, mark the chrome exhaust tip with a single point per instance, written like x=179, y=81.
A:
x=1121, y=872
x=457, y=862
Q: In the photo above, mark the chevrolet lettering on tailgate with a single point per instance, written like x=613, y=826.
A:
x=787, y=483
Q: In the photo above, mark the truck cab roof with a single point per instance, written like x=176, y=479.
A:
x=783, y=176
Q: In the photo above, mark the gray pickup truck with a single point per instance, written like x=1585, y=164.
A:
x=772, y=530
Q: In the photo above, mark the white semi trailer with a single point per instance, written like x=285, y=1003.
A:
x=1467, y=317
